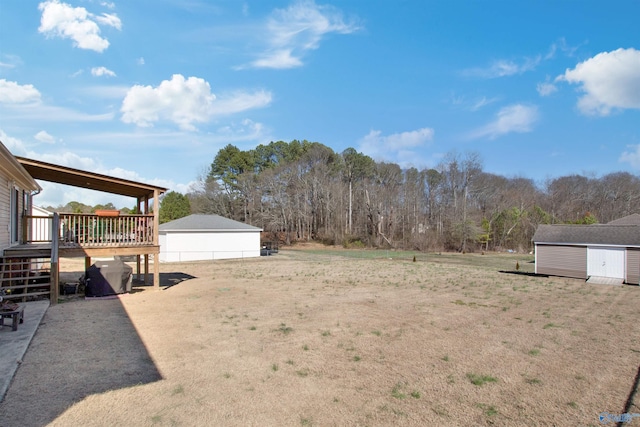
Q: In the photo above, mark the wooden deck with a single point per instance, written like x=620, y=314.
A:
x=47, y=238
x=43, y=250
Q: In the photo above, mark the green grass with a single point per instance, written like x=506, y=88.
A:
x=534, y=381
x=396, y=392
x=489, y=410
x=481, y=380
x=285, y=329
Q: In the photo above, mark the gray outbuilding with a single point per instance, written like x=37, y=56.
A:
x=600, y=251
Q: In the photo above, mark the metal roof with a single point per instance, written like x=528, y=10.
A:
x=91, y=180
x=596, y=234
x=199, y=222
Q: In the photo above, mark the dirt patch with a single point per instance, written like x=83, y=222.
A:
x=298, y=340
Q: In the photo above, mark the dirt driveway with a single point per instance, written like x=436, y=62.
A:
x=296, y=339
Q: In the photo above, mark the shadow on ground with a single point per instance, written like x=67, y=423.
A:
x=167, y=280
x=523, y=273
x=171, y=279
x=81, y=348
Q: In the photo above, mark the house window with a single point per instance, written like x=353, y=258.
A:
x=15, y=214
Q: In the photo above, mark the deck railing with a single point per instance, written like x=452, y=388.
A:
x=88, y=230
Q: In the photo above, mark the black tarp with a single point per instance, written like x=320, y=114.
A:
x=107, y=278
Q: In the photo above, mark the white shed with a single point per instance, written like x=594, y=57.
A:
x=207, y=237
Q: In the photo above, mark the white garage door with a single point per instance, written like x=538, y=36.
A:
x=606, y=262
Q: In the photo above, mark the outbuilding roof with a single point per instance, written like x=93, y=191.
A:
x=595, y=234
x=200, y=222
x=633, y=219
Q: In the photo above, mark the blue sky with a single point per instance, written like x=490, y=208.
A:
x=151, y=90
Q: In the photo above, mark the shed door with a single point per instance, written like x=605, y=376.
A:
x=606, y=262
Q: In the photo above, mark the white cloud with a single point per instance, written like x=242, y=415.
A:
x=278, y=59
x=47, y=113
x=43, y=136
x=482, y=102
x=562, y=46
x=245, y=130
x=237, y=102
x=14, y=93
x=14, y=145
x=513, y=118
x=102, y=71
x=140, y=61
x=110, y=19
x=298, y=29
x=75, y=23
x=504, y=68
x=184, y=102
x=106, y=91
x=398, y=147
x=10, y=61
x=546, y=88
x=609, y=80
x=632, y=156
x=472, y=104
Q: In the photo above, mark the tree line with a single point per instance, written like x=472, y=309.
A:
x=304, y=190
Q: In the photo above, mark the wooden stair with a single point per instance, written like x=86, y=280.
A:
x=26, y=277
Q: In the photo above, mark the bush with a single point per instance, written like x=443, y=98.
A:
x=352, y=242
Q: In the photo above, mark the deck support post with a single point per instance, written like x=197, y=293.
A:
x=156, y=226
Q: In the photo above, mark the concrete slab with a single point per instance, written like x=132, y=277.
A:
x=14, y=344
x=598, y=280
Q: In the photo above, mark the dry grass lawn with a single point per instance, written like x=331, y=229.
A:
x=302, y=339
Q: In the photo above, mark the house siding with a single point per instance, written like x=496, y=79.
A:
x=633, y=266
x=557, y=260
x=5, y=197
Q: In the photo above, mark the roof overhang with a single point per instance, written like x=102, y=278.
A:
x=14, y=169
x=90, y=180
